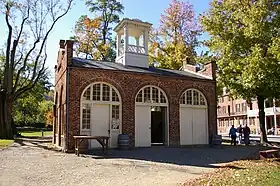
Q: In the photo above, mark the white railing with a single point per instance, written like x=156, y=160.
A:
x=136, y=49
x=133, y=49
x=268, y=111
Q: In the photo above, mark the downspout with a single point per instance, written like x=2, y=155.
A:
x=67, y=108
x=214, y=77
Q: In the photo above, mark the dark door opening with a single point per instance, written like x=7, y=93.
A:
x=158, y=125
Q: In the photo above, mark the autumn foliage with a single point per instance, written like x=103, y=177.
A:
x=176, y=37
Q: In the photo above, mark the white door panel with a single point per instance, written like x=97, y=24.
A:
x=186, y=126
x=100, y=122
x=193, y=126
x=143, y=126
x=199, y=126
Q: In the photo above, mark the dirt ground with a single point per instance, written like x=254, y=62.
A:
x=29, y=164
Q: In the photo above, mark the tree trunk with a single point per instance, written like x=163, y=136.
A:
x=5, y=115
x=262, y=119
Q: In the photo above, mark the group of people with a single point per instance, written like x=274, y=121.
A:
x=242, y=131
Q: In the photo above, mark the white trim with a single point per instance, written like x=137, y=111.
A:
x=193, y=106
x=192, y=93
x=92, y=103
x=154, y=104
x=151, y=96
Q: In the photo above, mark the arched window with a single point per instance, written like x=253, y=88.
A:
x=193, y=97
x=151, y=94
x=101, y=93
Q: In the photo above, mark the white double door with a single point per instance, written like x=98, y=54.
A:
x=193, y=126
x=143, y=126
x=101, y=125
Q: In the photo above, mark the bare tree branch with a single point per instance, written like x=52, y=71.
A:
x=24, y=64
x=35, y=77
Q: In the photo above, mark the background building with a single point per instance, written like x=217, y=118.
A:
x=238, y=112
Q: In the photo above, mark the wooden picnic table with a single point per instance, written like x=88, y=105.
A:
x=103, y=140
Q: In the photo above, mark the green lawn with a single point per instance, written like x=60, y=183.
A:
x=249, y=172
x=35, y=133
x=5, y=143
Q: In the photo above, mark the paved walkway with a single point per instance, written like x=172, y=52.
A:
x=27, y=163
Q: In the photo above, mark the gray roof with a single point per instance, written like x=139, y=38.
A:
x=105, y=65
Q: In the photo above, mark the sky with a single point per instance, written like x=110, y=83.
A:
x=145, y=10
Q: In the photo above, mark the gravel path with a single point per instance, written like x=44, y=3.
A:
x=30, y=165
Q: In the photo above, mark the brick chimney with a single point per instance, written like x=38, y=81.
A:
x=64, y=57
x=209, y=69
x=65, y=54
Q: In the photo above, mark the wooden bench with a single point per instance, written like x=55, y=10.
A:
x=103, y=140
x=273, y=153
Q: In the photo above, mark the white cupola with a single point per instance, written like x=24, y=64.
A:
x=132, y=42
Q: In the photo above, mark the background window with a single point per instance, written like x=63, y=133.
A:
x=183, y=99
x=96, y=92
x=147, y=94
x=139, y=97
x=86, y=116
x=189, y=97
x=115, y=96
x=195, y=98
x=202, y=100
x=106, y=93
x=115, y=117
x=155, y=94
x=162, y=98
x=86, y=95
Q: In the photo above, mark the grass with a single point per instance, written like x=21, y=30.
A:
x=243, y=172
x=35, y=133
x=5, y=143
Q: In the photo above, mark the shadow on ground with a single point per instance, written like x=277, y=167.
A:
x=190, y=156
x=210, y=157
x=44, y=143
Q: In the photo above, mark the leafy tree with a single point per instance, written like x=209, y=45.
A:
x=176, y=38
x=245, y=36
x=30, y=106
x=29, y=24
x=94, y=36
x=87, y=37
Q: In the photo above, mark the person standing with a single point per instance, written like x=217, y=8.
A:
x=232, y=134
x=246, y=132
x=239, y=130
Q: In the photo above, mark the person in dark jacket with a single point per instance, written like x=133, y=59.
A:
x=246, y=132
x=232, y=134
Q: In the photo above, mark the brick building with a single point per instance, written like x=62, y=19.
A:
x=237, y=112
x=152, y=105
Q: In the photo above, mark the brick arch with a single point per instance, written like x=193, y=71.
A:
x=152, y=83
x=105, y=80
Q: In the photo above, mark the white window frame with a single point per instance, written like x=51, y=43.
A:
x=192, y=94
x=151, y=97
x=92, y=102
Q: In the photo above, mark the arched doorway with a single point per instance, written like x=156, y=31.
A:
x=193, y=118
x=101, y=112
x=151, y=117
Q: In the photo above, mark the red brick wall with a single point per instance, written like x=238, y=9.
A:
x=128, y=84
x=64, y=55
